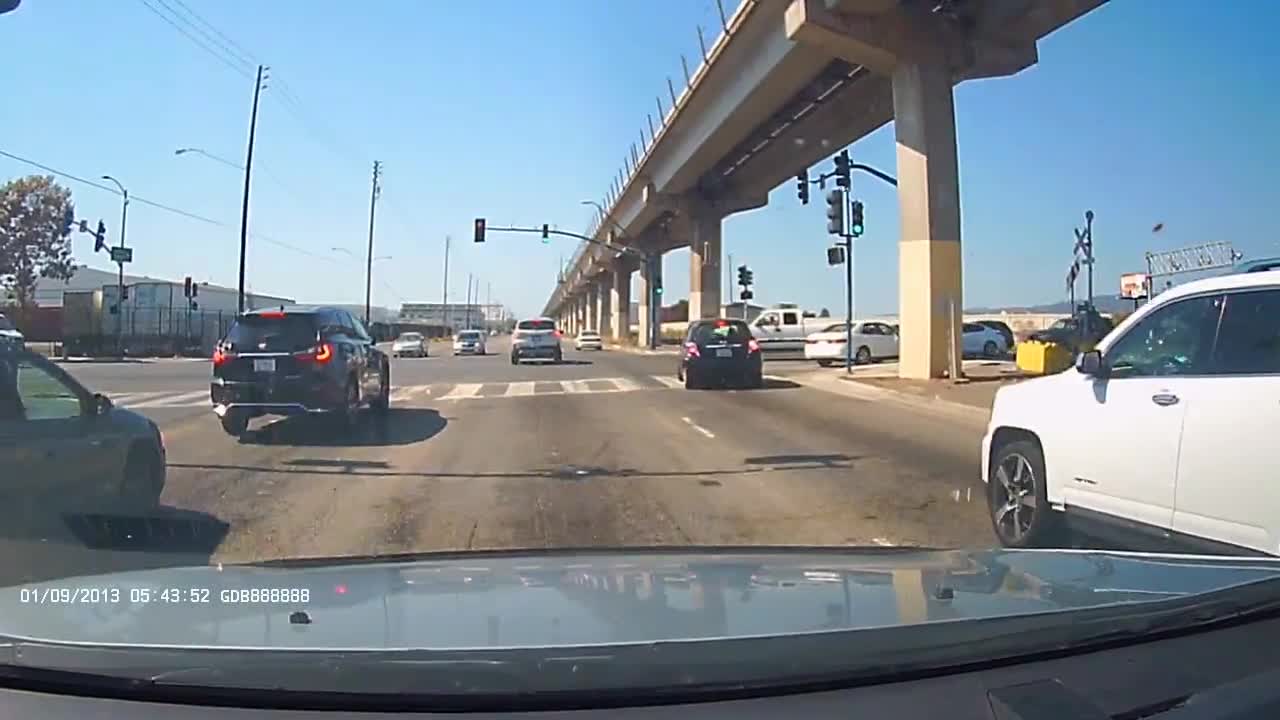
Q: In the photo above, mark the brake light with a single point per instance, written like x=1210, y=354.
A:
x=220, y=356
x=559, y=334
x=692, y=349
x=753, y=345
x=722, y=323
x=321, y=353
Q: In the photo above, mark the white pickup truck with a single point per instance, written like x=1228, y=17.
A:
x=784, y=327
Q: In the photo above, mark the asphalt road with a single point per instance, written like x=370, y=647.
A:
x=603, y=450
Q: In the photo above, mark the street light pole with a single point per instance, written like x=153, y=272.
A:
x=248, y=171
x=124, y=216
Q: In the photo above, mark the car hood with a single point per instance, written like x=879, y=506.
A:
x=531, y=600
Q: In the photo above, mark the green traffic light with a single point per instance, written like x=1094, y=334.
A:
x=658, y=290
x=857, y=229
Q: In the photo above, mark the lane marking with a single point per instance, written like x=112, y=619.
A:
x=883, y=542
x=192, y=398
x=132, y=397
x=519, y=389
x=575, y=386
x=668, y=381
x=705, y=432
x=625, y=384
x=462, y=391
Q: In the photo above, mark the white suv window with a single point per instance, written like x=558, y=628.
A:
x=1249, y=335
x=1173, y=340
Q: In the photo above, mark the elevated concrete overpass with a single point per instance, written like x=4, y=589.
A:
x=788, y=83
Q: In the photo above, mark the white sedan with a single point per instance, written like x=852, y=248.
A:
x=982, y=340
x=410, y=344
x=871, y=341
x=469, y=342
x=589, y=340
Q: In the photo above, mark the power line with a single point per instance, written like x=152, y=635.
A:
x=220, y=57
x=212, y=39
x=114, y=191
x=249, y=57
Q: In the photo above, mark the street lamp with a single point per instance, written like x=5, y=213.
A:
x=211, y=156
x=124, y=216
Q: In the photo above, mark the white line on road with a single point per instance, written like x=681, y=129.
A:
x=668, y=381
x=462, y=390
x=191, y=398
x=624, y=385
x=518, y=389
x=698, y=427
x=881, y=541
x=130, y=398
x=575, y=386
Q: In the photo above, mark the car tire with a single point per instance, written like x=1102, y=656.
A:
x=690, y=383
x=558, y=358
x=862, y=356
x=234, y=423
x=990, y=349
x=1024, y=520
x=143, y=478
x=346, y=415
x=382, y=405
x=755, y=381
x=515, y=359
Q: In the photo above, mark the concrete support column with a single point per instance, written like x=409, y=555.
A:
x=648, y=275
x=591, y=299
x=704, y=264
x=604, y=306
x=930, y=302
x=621, y=302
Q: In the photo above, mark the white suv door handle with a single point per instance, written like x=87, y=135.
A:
x=1164, y=399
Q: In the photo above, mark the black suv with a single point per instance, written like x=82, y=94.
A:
x=720, y=351
x=297, y=360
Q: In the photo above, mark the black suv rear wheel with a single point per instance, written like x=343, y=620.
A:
x=234, y=423
x=383, y=404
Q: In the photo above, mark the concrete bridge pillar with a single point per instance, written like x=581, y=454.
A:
x=930, y=301
x=620, y=300
x=604, y=306
x=590, y=300
x=649, y=274
x=704, y=264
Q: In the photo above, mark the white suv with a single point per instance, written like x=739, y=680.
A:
x=536, y=338
x=1163, y=435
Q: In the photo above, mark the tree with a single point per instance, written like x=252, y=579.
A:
x=36, y=214
x=825, y=313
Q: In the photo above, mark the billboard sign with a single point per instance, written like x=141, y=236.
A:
x=1133, y=286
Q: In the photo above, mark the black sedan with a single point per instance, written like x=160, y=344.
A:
x=66, y=449
x=720, y=352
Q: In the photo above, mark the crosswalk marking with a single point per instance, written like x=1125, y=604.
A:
x=193, y=398
x=424, y=395
x=462, y=390
x=519, y=388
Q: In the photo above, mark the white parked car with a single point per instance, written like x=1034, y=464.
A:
x=1163, y=433
x=982, y=340
x=469, y=342
x=589, y=340
x=410, y=344
x=871, y=341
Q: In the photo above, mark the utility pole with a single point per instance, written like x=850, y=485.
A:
x=488, y=302
x=248, y=169
x=124, y=215
x=466, y=323
x=444, y=296
x=368, y=270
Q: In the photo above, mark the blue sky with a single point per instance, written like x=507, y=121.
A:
x=1143, y=112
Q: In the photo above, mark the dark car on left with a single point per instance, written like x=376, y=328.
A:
x=64, y=448
x=298, y=361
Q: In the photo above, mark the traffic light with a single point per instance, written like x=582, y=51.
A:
x=546, y=234
x=843, y=170
x=657, y=287
x=100, y=237
x=855, y=218
x=802, y=187
x=745, y=276
x=479, y=229
x=835, y=212
x=835, y=255
x=186, y=287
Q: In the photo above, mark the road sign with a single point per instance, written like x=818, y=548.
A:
x=122, y=254
x=1133, y=286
